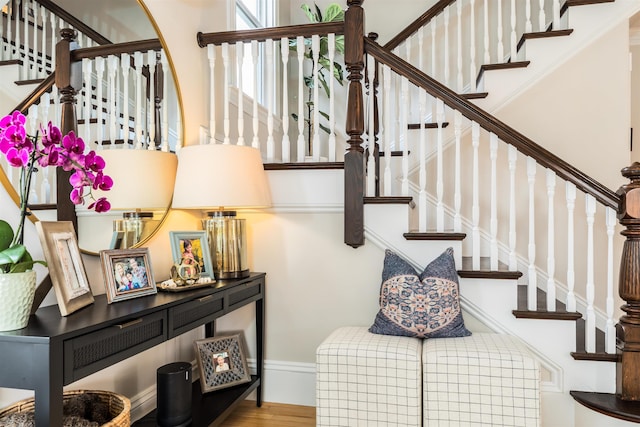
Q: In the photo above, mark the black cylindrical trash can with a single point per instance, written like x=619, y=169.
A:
x=174, y=394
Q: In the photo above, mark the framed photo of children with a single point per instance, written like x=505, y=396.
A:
x=192, y=247
x=222, y=362
x=127, y=274
x=68, y=275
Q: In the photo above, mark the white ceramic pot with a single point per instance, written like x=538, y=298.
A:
x=16, y=298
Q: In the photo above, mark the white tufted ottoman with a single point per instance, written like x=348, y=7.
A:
x=368, y=380
x=482, y=380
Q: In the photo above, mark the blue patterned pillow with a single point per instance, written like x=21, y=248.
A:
x=423, y=306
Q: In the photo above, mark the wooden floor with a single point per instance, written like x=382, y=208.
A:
x=247, y=414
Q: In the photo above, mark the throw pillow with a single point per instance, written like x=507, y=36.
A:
x=425, y=305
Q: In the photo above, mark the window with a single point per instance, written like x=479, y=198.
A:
x=251, y=14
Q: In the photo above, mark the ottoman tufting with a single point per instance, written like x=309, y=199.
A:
x=369, y=380
x=485, y=379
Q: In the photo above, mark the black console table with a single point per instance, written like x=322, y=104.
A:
x=53, y=351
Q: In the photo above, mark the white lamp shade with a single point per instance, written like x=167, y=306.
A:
x=142, y=179
x=212, y=176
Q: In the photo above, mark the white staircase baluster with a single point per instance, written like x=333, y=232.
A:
x=255, y=142
x=7, y=50
x=300, y=142
x=240, y=60
x=440, y=167
x=226, y=124
x=446, y=46
x=528, y=27
x=434, y=50
x=500, y=30
x=542, y=19
x=270, y=88
x=513, y=39
x=532, y=279
x=112, y=65
x=86, y=77
x=556, y=14
x=53, y=21
x=332, y=98
x=286, y=144
x=404, y=126
x=26, y=66
x=34, y=48
x=387, y=133
x=475, y=210
x=590, y=318
x=459, y=78
x=32, y=197
x=315, y=47
x=493, y=218
x=422, y=153
x=570, y=190
x=457, y=194
x=16, y=16
x=99, y=100
x=371, y=160
x=473, y=70
x=211, y=55
x=165, y=103
x=512, y=159
x=138, y=62
x=551, y=256
x=610, y=329
x=151, y=112
x=487, y=54
x=43, y=41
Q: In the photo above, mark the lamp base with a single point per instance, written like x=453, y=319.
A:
x=233, y=274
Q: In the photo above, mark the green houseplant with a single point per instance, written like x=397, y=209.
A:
x=27, y=153
x=333, y=13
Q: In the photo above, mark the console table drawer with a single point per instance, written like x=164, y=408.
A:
x=92, y=352
x=244, y=294
x=195, y=313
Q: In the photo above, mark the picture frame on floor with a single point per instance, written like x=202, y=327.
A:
x=221, y=362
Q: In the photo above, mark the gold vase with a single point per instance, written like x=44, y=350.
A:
x=16, y=298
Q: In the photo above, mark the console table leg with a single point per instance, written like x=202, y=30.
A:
x=260, y=347
x=48, y=385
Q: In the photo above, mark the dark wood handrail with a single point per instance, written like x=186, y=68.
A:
x=506, y=133
x=435, y=10
x=74, y=22
x=116, y=49
x=35, y=95
x=261, y=34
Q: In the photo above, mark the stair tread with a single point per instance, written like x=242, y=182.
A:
x=384, y=200
x=434, y=235
x=541, y=312
x=475, y=95
x=485, y=271
x=569, y=3
x=609, y=404
x=501, y=66
x=599, y=354
x=541, y=35
x=395, y=153
x=306, y=165
x=432, y=125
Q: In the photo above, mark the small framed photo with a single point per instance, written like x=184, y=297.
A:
x=116, y=240
x=127, y=274
x=192, y=246
x=221, y=362
x=68, y=275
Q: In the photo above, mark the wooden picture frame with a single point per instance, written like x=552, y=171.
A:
x=221, y=362
x=127, y=274
x=68, y=275
x=199, y=249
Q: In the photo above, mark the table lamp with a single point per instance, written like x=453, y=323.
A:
x=143, y=182
x=218, y=179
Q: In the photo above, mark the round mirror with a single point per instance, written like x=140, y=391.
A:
x=133, y=105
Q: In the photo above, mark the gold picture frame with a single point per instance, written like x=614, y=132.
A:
x=221, y=362
x=68, y=275
x=127, y=274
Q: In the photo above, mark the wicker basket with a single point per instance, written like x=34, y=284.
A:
x=119, y=406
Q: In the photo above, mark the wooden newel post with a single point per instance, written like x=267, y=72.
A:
x=68, y=76
x=354, y=157
x=628, y=328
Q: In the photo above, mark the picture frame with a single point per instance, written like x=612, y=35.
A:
x=199, y=249
x=116, y=240
x=127, y=274
x=66, y=268
x=221, y=362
